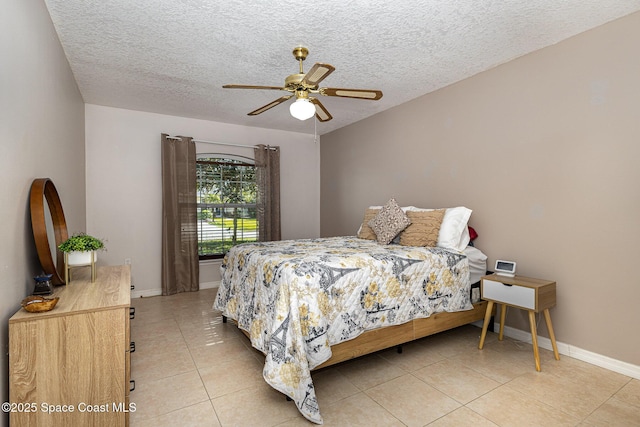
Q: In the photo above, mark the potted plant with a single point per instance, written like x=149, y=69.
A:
x=81, y=249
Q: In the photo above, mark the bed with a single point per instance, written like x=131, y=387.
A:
x=310, y=303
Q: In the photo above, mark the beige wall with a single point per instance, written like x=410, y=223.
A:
x=545, y=150
x=41, y=135
x=124, y=189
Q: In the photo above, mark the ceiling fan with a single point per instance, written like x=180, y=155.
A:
x=302, y=84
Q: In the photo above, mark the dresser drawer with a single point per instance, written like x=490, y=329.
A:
x=515, y=295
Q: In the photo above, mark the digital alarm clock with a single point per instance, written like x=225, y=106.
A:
x=505, y=268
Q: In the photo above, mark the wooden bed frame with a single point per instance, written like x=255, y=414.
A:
x=392, y=336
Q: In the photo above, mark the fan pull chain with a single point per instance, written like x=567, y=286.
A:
x=315, y=130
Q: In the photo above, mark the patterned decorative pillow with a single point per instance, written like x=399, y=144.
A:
x=365, y=231
x=390, y=221
x=424, y=228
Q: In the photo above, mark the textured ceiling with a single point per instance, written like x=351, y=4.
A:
x=173, y=56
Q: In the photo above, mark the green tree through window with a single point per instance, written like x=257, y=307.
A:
x=226, y=203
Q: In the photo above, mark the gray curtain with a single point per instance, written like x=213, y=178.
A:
x=180, y=265
x=267, y=160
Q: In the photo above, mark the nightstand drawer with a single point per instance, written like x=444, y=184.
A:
x=518, y=296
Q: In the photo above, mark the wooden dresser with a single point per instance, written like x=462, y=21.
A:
x=70, y=366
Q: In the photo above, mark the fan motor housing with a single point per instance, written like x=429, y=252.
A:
x=294, y=81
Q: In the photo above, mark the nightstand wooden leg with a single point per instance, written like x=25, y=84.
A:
x=485, y=325
x=534, y=339
x=547, y=318
x=503, y=315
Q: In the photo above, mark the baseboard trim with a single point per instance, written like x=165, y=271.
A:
x=606, y=362
x=145, y=293
x=210, y=285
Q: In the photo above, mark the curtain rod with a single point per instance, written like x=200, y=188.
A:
x=221, y=143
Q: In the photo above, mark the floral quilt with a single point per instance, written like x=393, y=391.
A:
x=297, y=298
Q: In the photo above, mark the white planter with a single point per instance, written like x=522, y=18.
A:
x=81, y=258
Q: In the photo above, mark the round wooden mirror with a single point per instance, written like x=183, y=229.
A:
x=49, y=227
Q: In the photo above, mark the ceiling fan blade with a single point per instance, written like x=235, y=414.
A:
x=269, y=105
x=352, y=93
x=317, y=73
x=321, y=112
x=252, y=87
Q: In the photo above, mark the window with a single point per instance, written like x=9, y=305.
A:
x=226, y=197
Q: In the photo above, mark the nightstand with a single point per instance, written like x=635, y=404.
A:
x=526, y=293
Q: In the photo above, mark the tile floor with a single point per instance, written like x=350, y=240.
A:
x=191, y=369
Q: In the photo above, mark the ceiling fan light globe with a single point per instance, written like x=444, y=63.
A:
x=302, y=109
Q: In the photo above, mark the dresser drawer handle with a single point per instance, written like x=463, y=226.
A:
x=132, y=312
x=132, y=347
x=506, y=284
x=132, y=385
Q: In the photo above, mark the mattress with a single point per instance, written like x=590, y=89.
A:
x=477, y=263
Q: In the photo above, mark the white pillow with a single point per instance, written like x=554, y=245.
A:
x=454, y=232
